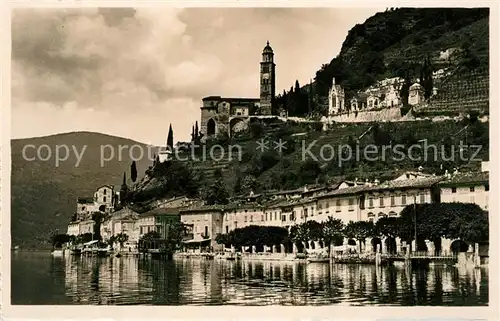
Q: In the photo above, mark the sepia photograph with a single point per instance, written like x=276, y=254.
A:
x=246, y=156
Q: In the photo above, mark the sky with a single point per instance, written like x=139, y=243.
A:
x=131, y=72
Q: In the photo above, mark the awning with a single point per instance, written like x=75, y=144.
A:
x=196, y=241
x=91, y=242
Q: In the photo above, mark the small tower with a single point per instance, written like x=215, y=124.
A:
x=416, y=94
x=336, y=99
x=267, y=81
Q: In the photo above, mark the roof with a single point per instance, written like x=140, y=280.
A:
x=360, y=97
x=203, y=208
x=406, y=184
x=345, y=191
x=85, y=200
x=267, y=48
x=162, y=211
x=466, y=179
x=229, y=99
x=108, y=186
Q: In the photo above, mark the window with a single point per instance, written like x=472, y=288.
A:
x=283, y=218
x=487, y=187
x=305, y=212
x=245, y=218
x=403, y=199
x=381, y=201
x=422, y=198
x=251, y=218
x=262, y=217
x=104, y=192
x=338, y=205
x=104, y=199
x=370, y=202
x=265, y=68
x=235, y=224
x=351, y=204
x=393, y=200
x=320, y=206
x=472, y=188
x=227, y=229
x=275, y=216
x=206, y=231
x=141, y=230
x=453, y=189
x=327, y=205
x=292, y=217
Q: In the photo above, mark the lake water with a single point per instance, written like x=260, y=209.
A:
x=39, y=278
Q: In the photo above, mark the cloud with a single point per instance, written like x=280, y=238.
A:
x=131, y=72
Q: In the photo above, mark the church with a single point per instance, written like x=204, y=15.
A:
x=221, y=115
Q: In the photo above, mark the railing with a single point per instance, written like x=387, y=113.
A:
x=421, y=254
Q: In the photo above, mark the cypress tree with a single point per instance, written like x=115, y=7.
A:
x=133, y=171
x=196, y=131
x=124, y=190
x=170, y=139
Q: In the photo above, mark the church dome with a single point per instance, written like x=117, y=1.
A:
x=268, y=49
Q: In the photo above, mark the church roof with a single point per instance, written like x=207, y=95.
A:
x=267, y=48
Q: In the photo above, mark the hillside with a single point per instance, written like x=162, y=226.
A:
x=395, y=43
x=44, y=196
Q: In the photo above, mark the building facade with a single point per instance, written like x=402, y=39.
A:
x=466, y=188
x=206, y=223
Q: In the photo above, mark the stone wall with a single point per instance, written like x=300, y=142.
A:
x=388, y=114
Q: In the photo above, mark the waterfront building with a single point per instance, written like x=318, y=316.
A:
x=466, y=188
x=390, y=198
x=158, y=220
x=206, y=222
x=122, y=221
x=73, y=228
x=85, y=206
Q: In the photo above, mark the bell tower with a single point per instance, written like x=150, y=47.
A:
x=267, y=81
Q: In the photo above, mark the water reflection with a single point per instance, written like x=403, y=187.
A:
x=130, y=280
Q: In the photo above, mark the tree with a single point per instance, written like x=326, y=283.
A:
x=170, y=139
x=388, y=226
x=120, y=238
x=133, y=171
x=58, y=240
x=97, y=217
x=124, y=190
x=333, y=229
x=216, y=194
x=360, y=231
x=405, y=88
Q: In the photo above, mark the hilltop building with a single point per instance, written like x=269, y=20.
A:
x=225, y=115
